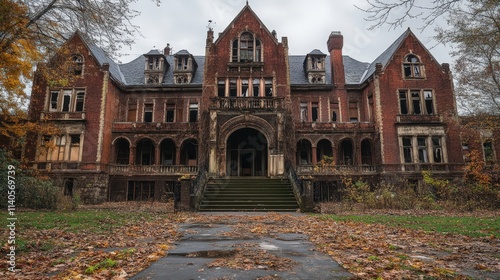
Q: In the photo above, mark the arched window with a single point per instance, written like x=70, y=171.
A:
x=246, y=49
x=412, y=67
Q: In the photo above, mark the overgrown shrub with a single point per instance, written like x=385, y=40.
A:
x=30, y=191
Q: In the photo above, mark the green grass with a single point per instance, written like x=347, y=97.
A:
x=93, y=221
x=468, y=226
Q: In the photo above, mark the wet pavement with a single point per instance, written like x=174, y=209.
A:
x=215, y=251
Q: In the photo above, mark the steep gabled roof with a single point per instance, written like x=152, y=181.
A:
x=246, y=9
x=102, y=58
x=386, y=56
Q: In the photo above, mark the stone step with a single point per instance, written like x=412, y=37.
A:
x=248, y=194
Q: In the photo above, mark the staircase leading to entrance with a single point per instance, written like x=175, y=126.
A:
x=249, y=194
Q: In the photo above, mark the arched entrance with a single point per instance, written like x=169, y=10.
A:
x=247, y=153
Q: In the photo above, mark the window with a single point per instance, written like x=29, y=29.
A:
x=182, y=63
x=437, y=152
x=269, y=87
x=407, y=150
x=77, y=64
x=66, y=101
x=80, y=96
x=427, y=149
x=314, y=112
x=221, y=88
x=69, y=100
x=334, y=109
x=75, y=139
x=412, y=67
x=303, y=112
x=141, y=190
x=317, y=63
x=233, y=91
x=488, y=151
x=154, y=63
x=422, y=149
x=53, y=100
x=246, y=49
x=416, y=102
x=170, y=113
x=148, y=113
x=244, y=88
x=193, y=112
x=256, y=87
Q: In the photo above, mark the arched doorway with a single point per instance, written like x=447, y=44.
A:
x=122, y=151
x=145, y=152
x=247, y=153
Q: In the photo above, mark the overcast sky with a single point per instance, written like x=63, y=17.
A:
x=307, y=24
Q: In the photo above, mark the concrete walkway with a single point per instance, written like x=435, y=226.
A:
x=206, y=248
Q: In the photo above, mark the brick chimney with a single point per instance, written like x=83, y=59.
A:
x=335, y=43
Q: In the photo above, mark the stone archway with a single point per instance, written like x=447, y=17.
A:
x=246, y=153
x=248, y=126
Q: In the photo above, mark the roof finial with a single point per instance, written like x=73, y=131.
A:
x=247, y=2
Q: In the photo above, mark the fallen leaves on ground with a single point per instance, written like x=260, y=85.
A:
x=368, y=251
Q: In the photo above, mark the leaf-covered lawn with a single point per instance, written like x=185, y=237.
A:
x=118, y=243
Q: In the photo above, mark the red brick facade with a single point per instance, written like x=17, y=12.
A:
x=246, y=108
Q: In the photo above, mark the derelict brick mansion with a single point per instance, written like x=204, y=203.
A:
x=246, y=109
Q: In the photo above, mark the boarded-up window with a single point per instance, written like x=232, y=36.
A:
x=132, y=113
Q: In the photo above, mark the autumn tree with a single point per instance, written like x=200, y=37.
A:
x=31, y=31
x=472, y=28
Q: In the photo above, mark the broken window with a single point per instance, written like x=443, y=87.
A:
x=256, y=87
x=403, y=102
x=66, y=101
x=407, y=149
x=193, y=112
x=422, y=149
x=412, y=67
x=269, y=87
x=244, y=88
x=80, y=97
x=334, y=108
x=53, y=100
x=429, y=106
x=437, y=150
x=148, y=113
x=182, y=63
x=416, y=102
x=488, y=151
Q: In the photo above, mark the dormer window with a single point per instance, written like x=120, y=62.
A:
x=154, y=68
x=77, y=64
x=246, y=49
x=314, y=66
x=412, y=67
x=185, y=66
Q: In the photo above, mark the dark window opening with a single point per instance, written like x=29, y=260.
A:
x=53, y=100
x=221, y=89
x=437, y=150
x=422, y=150
x=80, y=96
x=66, y=102
x=314, y=112
x=122, y=150
x=403, y=102
x=170, y=113
x=488, y=151
x=304, y=152
x=141, y=191
x=68, y=187
x=148, y=113
x=407, y=150
x=193, y=112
